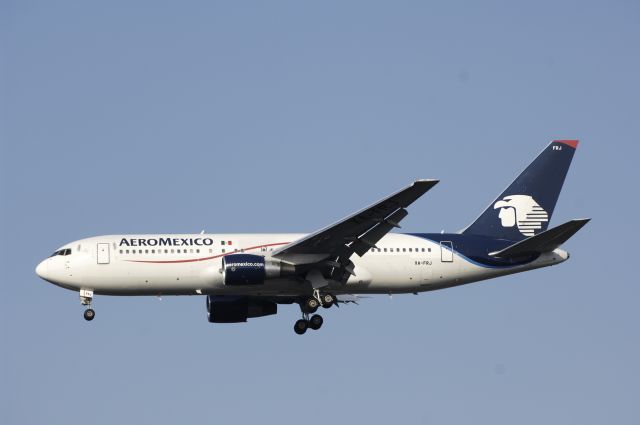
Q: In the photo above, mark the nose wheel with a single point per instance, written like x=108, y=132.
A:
x=86, y=296
x=89, y=314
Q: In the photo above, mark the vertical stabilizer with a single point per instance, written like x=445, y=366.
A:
x=524, y=209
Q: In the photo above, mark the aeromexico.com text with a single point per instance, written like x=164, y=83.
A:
x=166, y=241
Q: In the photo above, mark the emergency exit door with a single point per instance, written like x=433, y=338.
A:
x=446, y=251
x=103, y=253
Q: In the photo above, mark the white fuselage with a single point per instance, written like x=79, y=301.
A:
x=191, y=265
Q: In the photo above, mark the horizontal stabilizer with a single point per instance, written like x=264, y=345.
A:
x=543, y=242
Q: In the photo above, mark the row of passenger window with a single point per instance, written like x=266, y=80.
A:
x=197, y=251
x=400, y=249
x=173, y=251
x=160, y=251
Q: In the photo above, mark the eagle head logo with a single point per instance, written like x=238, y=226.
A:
x=522, y=211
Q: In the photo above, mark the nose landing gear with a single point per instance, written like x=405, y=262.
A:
x=86, y=296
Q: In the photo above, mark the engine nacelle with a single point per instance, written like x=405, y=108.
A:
x=248, y=269
x=228, y=309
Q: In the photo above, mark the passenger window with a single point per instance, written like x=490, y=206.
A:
x=127, y=251
x=223, y=250
x=429, y=249
x=385, y=249
x=390, y=249
x=221, y=242
x=410, y=249
x=198, y=251
x=153, y=251
x=404, y=249
x=146, y=251
x=120, y=251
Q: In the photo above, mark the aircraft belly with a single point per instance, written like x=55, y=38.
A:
x=383, y=275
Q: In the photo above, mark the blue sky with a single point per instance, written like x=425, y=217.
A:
x=146, y=117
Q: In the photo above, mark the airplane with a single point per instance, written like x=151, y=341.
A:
x=246, y=276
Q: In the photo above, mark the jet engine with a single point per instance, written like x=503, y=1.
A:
x=248, y=269
x=231, y=309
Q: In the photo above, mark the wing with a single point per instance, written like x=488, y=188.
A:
x=332, y=246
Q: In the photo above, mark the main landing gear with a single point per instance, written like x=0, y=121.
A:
x=309, y=306
x=86, y=296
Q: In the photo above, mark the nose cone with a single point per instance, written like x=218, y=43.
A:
x=42, y=269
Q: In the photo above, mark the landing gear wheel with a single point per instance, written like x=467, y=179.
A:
x=328, y=300
x=89, y=314
x=311, y=305
x=316, y=322
x=300, y=327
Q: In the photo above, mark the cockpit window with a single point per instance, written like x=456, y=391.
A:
x=62, y=252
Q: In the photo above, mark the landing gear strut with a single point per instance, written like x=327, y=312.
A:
x=86, y=296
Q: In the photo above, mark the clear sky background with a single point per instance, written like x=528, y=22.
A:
x=126, y=117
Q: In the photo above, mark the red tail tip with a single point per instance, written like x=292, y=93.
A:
x=572, y=143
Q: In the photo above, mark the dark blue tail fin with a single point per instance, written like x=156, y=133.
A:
x=525, y=208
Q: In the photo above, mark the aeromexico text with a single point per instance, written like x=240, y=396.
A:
x=166, y=242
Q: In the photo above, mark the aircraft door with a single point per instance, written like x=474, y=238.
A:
x=103, y=253
x=446, y=251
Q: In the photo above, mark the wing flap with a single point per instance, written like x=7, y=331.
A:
x=543, y=242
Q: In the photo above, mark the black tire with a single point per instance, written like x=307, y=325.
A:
x=311, y=305
x=328, y=300
x=300, y=326
x=316, y=322
x=89, y=314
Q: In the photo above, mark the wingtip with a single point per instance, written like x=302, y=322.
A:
x=427, y=181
